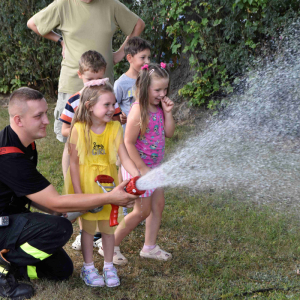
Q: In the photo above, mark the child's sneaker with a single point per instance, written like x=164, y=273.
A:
x=110, y=277
x=97, y=237
x=91, y=277
x=77, y=243
x=97, y=243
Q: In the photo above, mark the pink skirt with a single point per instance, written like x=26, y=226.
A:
x=126, y=176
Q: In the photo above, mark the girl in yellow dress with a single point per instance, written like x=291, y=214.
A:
x=94, y=142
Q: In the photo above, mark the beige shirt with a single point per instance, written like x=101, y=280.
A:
x=84, y=26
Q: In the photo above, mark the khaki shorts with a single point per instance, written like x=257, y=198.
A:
x=62, y=99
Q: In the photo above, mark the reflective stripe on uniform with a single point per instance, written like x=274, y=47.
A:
x=31, y=272
x=3, y=270
x=36, y=253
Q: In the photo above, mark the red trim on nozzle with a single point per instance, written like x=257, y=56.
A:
x=131, y=188
x=104, y=179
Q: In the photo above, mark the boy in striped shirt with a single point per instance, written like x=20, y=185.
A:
x=92, y=66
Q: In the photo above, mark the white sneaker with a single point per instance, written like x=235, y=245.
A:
x=97, y=243
x=77, y=243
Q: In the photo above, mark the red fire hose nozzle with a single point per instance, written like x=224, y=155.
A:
x=131, y=188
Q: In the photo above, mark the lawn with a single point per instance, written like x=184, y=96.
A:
x=223, y=247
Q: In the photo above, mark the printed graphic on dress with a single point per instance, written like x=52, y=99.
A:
x=98, y=149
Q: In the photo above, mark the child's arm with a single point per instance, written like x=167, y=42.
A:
x=127, y=162
x=74, y=167
x=131, y=135
x=169, y=125
x=65, y=129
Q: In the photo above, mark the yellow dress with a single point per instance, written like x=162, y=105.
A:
x=100, y=159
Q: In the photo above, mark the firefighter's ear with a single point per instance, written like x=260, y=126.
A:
x=18, y=121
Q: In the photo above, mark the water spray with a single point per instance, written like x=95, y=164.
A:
x=130, y=188
x=252, y=146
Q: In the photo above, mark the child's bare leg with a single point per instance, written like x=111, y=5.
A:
x=65, y=160
x=108, y=243
x=150, y=249
x=87, y=246
x=154, y=219
x=141, y=211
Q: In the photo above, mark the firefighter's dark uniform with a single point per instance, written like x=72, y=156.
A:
x=34, y=240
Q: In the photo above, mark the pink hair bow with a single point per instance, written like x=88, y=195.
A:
x=145, y=66
x=163, y=65
x=97, y=82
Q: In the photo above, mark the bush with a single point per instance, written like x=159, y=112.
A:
x=222, y=37
x=26, y=58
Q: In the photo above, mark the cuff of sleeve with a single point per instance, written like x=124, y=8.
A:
x=131, y=24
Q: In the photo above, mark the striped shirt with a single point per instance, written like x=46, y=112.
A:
x=72, y=104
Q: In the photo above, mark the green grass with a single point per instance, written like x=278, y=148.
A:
x=222, y=245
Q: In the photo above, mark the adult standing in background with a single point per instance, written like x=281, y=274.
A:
x=85, y=25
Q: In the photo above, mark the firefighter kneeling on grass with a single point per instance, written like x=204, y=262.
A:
x=32, y=243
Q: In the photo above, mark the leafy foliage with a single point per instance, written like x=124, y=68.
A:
x=26, y=58
x=221, y=38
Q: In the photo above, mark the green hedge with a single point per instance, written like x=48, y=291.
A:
x=222, y=37
x=26, y=58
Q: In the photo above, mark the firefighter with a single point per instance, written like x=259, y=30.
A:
x=32, y=243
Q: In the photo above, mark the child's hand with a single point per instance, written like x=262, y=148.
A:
x=167, y=104
x=123, y=118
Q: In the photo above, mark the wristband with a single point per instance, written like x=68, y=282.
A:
x=59, y=41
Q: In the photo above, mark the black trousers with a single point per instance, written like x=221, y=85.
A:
x=35, y=244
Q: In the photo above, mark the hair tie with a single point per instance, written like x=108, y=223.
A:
x=97, y=82
x=163, y=65
x=145, y=67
